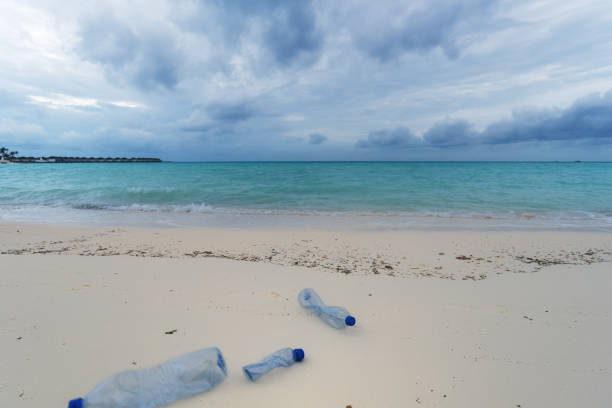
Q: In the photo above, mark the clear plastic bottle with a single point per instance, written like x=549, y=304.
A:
x=336, y=316
x=181, y=377
x=282, y=358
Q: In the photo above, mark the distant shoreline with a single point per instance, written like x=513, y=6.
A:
x=64, y=159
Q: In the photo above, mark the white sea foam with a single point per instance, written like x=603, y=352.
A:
x=143, y=190
x=201, y=214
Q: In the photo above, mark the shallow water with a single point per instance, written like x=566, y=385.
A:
x=370, y=194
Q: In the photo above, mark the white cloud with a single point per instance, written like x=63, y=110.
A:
x=64, y=101
x=128, y=104
x=60, y=101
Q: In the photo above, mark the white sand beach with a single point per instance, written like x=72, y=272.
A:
x=457, y=319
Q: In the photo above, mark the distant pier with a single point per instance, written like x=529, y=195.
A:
x=65, y=159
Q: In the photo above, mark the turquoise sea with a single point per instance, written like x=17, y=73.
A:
x=367, y=194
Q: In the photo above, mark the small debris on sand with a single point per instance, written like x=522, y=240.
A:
x=171, y=331
x=527, y=317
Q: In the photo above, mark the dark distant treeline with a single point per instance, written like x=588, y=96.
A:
x=64, y=159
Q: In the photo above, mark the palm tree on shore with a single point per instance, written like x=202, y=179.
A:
x=5, y=154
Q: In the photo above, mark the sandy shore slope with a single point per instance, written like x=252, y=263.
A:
x=512, y=339
x=451, y=255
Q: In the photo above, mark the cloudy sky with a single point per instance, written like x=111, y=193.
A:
x=308, y=80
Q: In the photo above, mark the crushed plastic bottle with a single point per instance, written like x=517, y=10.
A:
x=181, y=377
x=282, y=358
x=336, y=316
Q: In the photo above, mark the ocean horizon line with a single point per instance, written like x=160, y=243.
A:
x=385, y=161
x=329, y=161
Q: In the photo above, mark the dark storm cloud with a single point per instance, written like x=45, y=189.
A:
x=435, y=24
x=147, y=54
x=588, y=119
x=158, y=63
x=316, y=138
x=230, y=112
x=292, y=33
x=450, y=133
x=290, y=27
x=217, y=118
x=390, y=139
x=147, y=59
x=106, y=40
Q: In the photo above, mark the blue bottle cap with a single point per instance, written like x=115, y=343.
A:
x=76, y=403
x=350, y=321
x=298, y=354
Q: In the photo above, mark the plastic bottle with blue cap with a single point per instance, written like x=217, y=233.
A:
x=336, y=316
x=181, y=377
x=282, y=358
